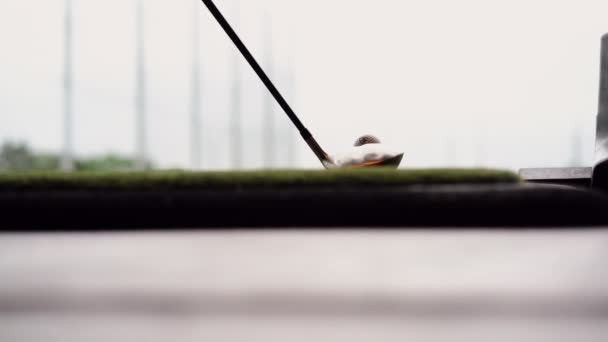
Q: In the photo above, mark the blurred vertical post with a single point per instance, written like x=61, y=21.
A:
x=140, y=89
x=576, y=157
x=292, y=135
x=479, y=141
x=235, y=124
x=67, y=162
x=451, y=151
x=268, y=134
x=195, y=101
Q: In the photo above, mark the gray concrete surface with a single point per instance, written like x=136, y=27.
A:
x=294, y=285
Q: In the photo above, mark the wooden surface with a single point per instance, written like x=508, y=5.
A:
x=305, y=285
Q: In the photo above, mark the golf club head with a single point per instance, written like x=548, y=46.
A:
x=388, y=162
x=367, y=152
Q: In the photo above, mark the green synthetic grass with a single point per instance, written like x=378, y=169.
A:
x=153, y=180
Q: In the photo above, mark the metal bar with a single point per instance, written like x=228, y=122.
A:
x=600, y=169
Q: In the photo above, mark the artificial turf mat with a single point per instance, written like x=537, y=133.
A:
x=269, y=179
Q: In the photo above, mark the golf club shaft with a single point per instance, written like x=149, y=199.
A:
x=323, y=157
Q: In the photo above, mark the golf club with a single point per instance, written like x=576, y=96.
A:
x=375, y=159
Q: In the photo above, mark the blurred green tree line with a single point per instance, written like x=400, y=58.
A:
x=16, y=156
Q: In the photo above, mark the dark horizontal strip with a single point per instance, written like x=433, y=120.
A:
x=498, y=205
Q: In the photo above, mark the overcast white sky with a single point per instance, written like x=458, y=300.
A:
x=459, y=83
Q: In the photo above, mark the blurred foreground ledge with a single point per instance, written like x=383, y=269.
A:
x=298, y=304
x=289, y=198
